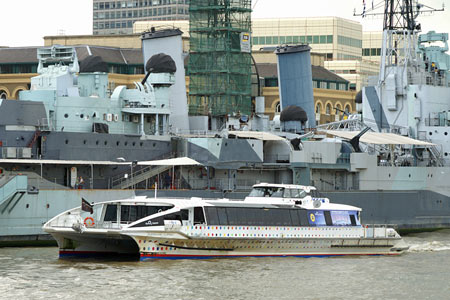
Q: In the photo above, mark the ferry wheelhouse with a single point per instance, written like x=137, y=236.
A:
x=273, y=220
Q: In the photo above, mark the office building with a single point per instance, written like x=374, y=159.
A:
x=117, y=17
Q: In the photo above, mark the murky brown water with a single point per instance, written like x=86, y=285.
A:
x=422, y=273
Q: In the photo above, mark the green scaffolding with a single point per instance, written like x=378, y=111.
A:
x=219, y=72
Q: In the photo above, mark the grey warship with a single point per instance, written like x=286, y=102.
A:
x=67, y=127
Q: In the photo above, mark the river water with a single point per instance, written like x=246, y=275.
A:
x=421, y=273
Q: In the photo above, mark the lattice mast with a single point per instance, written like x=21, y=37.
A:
x=399, y=43
x=219, y=69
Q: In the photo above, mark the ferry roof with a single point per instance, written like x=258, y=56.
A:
x=379, y=138
x=292, y=186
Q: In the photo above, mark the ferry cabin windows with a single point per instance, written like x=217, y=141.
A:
x=266, y=192
x=199, y=217
x=182, y=215
x=255, y=216
x=245, y=216
x=277, y=192
x=131, y=213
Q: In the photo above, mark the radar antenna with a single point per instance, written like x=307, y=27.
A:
x=400, y=30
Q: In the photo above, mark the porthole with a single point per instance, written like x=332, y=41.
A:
x=141, y=144
x=226, y=144
x=430, y=133
x=28, y=205
x=96, y=142
x=446, y=153
x=84, y=142
x=106, y=143
x=445, y=133
x=66, y=116
x=126, y=143
x=81, y=116
x=409, y=175
x=389, y=175
x=66, y=141
x=134, y=143
x=117, y=143
x=154, y=144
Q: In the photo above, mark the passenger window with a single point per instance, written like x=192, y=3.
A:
x=287, y=193
x=111, y=213
x=199, y=217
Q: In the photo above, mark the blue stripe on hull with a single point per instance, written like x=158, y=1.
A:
x=149, y=257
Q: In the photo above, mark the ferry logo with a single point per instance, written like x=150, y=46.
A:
x=312, y=217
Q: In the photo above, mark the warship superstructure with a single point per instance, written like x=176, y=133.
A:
x=68, y=126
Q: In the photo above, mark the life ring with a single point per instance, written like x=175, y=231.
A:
x=89, y=222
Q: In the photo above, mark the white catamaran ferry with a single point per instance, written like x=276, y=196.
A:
x=274, y=220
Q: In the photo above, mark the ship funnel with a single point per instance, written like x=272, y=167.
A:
x=159, y=63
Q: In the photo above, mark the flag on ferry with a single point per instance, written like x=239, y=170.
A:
x=86, y=206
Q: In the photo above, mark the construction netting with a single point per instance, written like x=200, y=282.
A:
x=219, y=69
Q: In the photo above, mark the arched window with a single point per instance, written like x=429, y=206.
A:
x=338, y=108
x=328, y=109
x=347, y=108
x=3, y=94
x=278, y=107
x=318, y=108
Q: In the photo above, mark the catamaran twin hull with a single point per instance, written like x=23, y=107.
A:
x=234, y=241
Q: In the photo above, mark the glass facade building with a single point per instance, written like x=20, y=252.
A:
x=118, y=17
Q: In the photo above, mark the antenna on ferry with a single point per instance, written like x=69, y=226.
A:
x=156, y=188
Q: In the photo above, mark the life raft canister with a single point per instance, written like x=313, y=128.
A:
x=89, y=222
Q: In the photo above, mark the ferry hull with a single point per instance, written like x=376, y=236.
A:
x=272, y=248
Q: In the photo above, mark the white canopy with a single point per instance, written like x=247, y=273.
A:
x=62, y=162
x=265, y=136
x=179, y=161
x=379, y=138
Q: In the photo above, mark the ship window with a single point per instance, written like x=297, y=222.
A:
x=66, y=116
x=211, y=215
x=287, y=193
x=126, y=143
x=111, y=213
x=179, y=215
x=199, y=217
x=81, y=116
x=255, y=216
x=131, y=213
x=117, y=143
x=353, y=220
x=294, y=217
x=222, y=215
x=328, y=218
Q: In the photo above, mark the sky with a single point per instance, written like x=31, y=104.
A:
x=26, y=22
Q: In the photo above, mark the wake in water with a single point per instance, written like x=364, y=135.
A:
x=429, y=241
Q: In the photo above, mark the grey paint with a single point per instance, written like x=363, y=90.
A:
x=377, y=110
x=28, y=113
x=295, y=82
